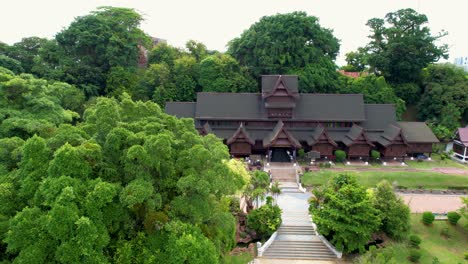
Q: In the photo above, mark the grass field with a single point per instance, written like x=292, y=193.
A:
x=436, y=162
x=434, y=245
x=410, y=179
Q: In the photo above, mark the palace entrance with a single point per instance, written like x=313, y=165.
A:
x=281, y=154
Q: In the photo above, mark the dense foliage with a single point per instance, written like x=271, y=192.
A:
x=128, y=184
x=344, y=213
x=265, y=220
x=394, y=213
x=401, y=45
x=293, y=43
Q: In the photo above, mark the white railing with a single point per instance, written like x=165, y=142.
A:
x=331, y=247
x=299, y=184
x=261, y=249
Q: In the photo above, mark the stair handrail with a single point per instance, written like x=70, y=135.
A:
x=299, y=184
x=261, y=249
x=330, y=246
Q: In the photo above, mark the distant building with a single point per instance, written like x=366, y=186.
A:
x=353, y=74
x=462, y=62
x=280, y=120
x=460, y=144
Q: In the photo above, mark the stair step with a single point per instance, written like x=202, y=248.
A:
x=297, y=248
x=300, y=257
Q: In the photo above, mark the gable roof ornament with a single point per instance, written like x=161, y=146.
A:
x=274, y=135
x=318, y=133
x=241, y=132
x=390, y=134
x=354, y=134
x=280, y=84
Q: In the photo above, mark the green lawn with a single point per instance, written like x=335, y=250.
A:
x=436, y=162
x=447, y=250
x=411, y=180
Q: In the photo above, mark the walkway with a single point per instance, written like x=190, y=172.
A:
x=296, y=240
x=436, y=203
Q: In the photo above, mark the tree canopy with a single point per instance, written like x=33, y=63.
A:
x=401, y=45
x=129, y=183
x=287, y=43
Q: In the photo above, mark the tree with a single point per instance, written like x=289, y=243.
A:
x=128, y=184
x=265, y=220
x=375, y=90
x=92, y=45
x=356, y=60
x=444, y=85
x=11, y=64
x=344, y=213
x=222, y=73
x=286, y=43
x=27, y=51
x=394, y=214
x=402, y=45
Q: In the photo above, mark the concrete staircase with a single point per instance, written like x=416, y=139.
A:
x=296, y=238
x=310, y=250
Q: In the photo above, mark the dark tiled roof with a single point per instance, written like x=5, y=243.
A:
x=239, y=131
x=379, y=116
x=237, y=106
x=389, y=135
x=269, y=83
x=353, y=134
x=276, y=131
x=181, y=109
x=316, y=135
x=250, y=106
x=330, y=107
x=417, y=132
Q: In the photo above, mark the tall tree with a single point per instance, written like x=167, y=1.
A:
x=92, y=45
x=401, y=45
x=285, y=43
x=394, y=213
x=445, y=85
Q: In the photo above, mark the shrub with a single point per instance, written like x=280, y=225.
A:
x=301, y=153
x=340, y=155
x=264, y=220
x=466, y=254
x=445, y=232
x=414, y=241
x=453, y=217
x=428, y=218
x=375, y=154
x=435, y=260
x=415, y=255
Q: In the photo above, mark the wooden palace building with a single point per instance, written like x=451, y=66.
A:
x=280, y=120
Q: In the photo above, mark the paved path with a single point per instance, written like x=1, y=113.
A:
x=436, y=203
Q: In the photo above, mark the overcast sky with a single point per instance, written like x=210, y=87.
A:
x=215, y=22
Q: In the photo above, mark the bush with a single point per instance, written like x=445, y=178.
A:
x=453, y=217
x=264, y=220
x=301, y=154
x=466, y=254
x=340, y=155
x=414, y=241
x=375, y=154
x=435, y=261
x=428, y=218
x=445, y=232
x=415, y=255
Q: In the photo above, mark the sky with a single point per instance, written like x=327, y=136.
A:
x=216, y=22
